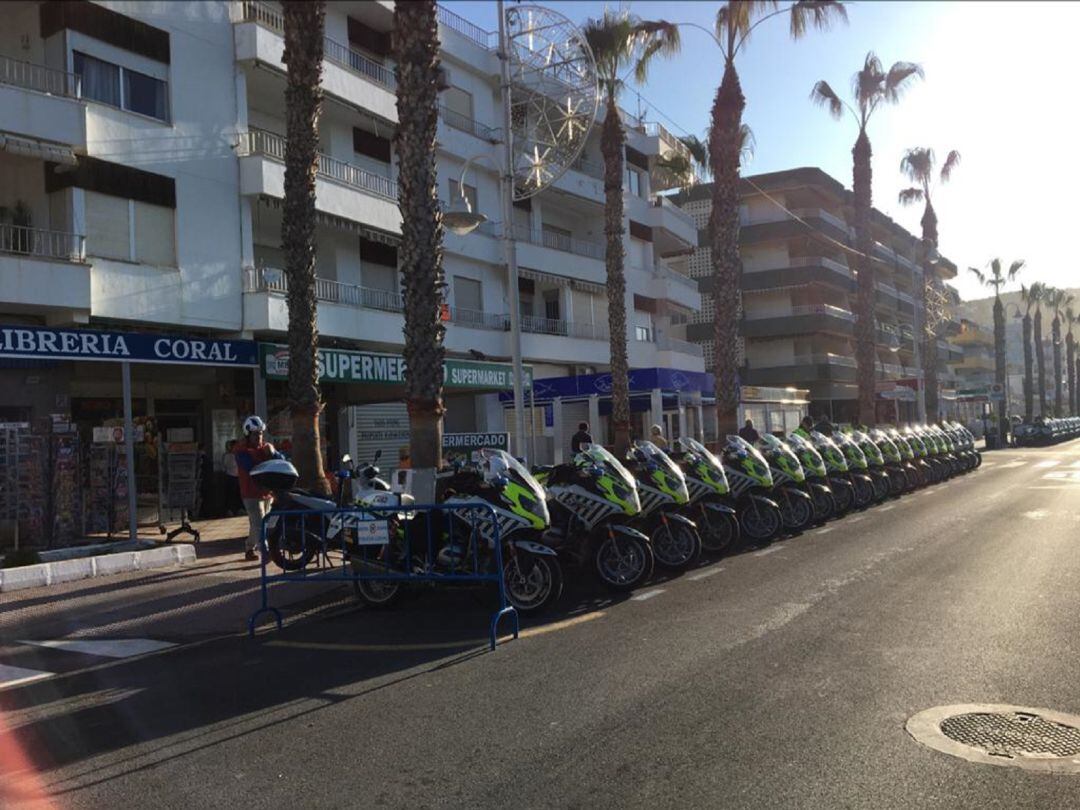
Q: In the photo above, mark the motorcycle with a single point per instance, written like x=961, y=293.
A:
x=838, y=475
x=663, y=491
x=760, y=519
x=789, y=480
x=894, y=462
x=928, y=473
x=466, y=536
x=817, y=480
x=875, y=464
x=707, y=485
x=909, y=461
x=858, y=469
x=591, y=499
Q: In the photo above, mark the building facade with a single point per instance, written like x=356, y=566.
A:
x=798, y=293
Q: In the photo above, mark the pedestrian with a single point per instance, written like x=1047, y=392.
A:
x=250, y=452
x=747, y=432
x=233, y=506
x=404, y=459
x=824, y=426
x=656, y=436
x=581, y=437
x=806, y=427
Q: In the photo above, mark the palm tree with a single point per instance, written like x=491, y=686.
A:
x=619, y=42
x=1029, y=382
x=918, y=166
x=871, y=87
x=418, y=76
x=735, y=21
x=1038, y=293
x=996, y=279
x=1070, y=358
x=1059, y=301
x=304, y=24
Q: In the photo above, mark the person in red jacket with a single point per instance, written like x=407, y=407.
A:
x=250, y=452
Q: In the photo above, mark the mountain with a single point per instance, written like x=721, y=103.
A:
x=981, y=310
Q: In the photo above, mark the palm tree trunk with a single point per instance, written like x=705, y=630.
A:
x=612, y=139
x=929, y=352
x=865, y=349
x=1000, y=363
x=416, y=51
x=304, y=24
x=1070, y=370
x=1040, y=362
x=724, y=143
x=1055, y=330
x=1029, y=382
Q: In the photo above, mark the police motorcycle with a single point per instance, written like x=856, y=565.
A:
x=894, y=461
x=858, y=469
x=789, y=482
x=817, y=476
x=968, y=442
x=935, y=454
x=928, y=472
x=838, y=474
x=718, y=525
x=956, y=465
x=751, y=482
x=663, y=491
x=908, y=461
x=592, y=498
x=464, y=539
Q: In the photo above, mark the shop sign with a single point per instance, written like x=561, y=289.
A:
x=138, y=347
x=475, y=441
x=345, y=366
x=115, y=434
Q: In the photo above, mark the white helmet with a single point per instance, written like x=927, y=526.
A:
x=253, y=424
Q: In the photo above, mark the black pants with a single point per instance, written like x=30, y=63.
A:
x=233, y=504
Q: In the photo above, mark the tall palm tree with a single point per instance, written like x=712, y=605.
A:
x=996, y=279
x=735, y=22
x=620, y=42
x=1059, y=301
x=871, y=87
x=416, y=52
x=918, y=166
x=304, y=24
x=1070, y=358
x=1038, y=293
x=1029, y=382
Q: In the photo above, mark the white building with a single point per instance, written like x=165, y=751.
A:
x=141, y=176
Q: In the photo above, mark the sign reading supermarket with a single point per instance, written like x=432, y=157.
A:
x=346, y=366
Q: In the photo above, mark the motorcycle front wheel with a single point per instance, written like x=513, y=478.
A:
x=719, y=531
x=676, y=546
x=824, y=505
x=864, y=491
x=881, y=487
x=760, y=523
x=797, y=513
x=532, y=585
x=623, y=563
x=842, y=496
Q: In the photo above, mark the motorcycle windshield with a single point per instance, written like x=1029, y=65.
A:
x=830, y=451
x=705, y=466
x=809, y=457
x=869, y=448
x=748, y=459
x=782, y=457
x=665, y=473
x=855, y=457
x=523, y=493
x=611, y=466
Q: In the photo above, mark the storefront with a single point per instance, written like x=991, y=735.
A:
x=86, y=406
x=773, y=410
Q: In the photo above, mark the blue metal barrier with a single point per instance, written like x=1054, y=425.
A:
x=379, y=544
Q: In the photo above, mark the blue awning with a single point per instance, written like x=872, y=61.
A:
x=642, y=381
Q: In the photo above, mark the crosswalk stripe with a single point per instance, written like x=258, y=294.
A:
x=13, y=676
x=106, y=648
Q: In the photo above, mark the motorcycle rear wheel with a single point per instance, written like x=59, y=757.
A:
x=293, y=550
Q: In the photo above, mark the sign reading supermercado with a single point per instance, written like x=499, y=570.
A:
x=137, y=347
x=345, y=366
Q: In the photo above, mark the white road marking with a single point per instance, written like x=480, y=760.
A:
x=1063, y=475
x=1052, y=462
x=704, y=574
x=824, y=530
x=886, y=508
x=13, y=676
x=1036, y=514
x=641, y=597
x=1011, y=465
x=106, y=648
x=856, y=518
x=765, y=551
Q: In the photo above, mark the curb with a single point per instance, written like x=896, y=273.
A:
x=54, y=573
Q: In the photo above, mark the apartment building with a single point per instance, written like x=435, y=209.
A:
x=798, y=293
x=141, y=183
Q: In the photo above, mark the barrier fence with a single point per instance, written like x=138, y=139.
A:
x=393, y=546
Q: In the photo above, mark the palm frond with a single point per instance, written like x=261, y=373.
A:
x=657, y=37
x=747, y=141
x=951, y=162
x=698, y=149
x=866, y=85
x=910, y=196
x=979, y=274
x=899, y=78
x=819, y=14
x=1015, y=268
x=735, y=17
x=824, y=96
x=917, y=164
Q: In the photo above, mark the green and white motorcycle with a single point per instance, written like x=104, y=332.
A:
x=817, y=476
x=709, y=508
x=789, y=482
x=858, y=469
x=760, y=519
x=663, y=492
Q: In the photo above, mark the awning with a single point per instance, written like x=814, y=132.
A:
x=562, y=281
x=340, y=223
x=33, y=148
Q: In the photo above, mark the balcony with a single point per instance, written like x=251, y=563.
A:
x=463, y=123
x=580, y=258
x=666, y=284
x=800, y=320
x=259, y=37
x=41, y=102
x=43, y=268
x=784, y=227
x=797, y=271
x=816, y=371
x=674, y=230
x=341, y=189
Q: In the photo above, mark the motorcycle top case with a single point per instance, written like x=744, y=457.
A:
x=275, y=474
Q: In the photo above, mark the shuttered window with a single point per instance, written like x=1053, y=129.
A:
x=155, y=235
x=108, y=226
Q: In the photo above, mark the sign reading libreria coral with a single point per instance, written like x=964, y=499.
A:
x=345, y=366
x=137, y=347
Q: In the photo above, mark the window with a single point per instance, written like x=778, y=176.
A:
x=470, y=195
x=556, y=237
x=121, y=87
x=458, y=101
x=130, y=230
x=633, y=181
x=643, y=334
x=468, y=294
x=551, y=305
x=155, y=235
x=379, y=277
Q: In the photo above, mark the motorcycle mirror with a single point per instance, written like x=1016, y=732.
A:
x=346, y=459
x=652, y=467
x=500, y=481
x=378, y=455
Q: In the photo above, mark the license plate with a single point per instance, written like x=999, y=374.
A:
x=373, y=533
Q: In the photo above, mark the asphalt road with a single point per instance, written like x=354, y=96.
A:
x=776, y=678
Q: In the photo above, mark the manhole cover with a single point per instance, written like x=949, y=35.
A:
x=1017, y=736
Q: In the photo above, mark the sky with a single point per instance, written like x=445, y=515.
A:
x=998, y=89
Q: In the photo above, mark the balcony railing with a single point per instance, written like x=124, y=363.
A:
x=44, y=244
x=536, y=325
x=261, y=142
x=485, y=39
x=269, y=17
x=558, y=241
x=273, y=280
x=40, y=78
x=670, y=344
x=588, y=167
x=660, y=271
x=478, y=319
x=824, y=358
x=674, y=210
x=824, y=309
x=657, y=130
x=465, y=124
